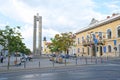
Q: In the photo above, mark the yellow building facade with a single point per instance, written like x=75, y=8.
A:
x=100, y=38
x=46, y=50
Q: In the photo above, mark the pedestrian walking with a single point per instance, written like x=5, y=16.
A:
x=1, y=58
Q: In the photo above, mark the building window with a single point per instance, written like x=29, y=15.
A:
x=88, y=38
x=109, y=33
x=78, y=50
x=78, y=40
x=82, y=38
x=109, y=48
x=100, y=35
x=118, y=31
x=97, y=49
x=93, y=35
x=104, y=49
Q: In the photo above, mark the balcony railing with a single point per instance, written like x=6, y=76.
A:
x=88, y=43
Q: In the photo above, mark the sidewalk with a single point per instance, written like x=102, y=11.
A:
x=45, y=63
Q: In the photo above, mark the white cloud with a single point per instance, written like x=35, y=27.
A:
x=16, y=10
x=1, y=25
x=49, y=33
x=57, y=16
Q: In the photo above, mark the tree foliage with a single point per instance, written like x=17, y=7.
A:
x=61, y=42
x=11, y=40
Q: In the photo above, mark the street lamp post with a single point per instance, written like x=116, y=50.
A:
x=115, y=48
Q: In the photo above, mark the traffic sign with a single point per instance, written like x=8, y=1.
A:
x=104, y=49
x=115, y=42
x=95, y=41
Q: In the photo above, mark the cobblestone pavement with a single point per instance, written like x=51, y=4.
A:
x=45, y=63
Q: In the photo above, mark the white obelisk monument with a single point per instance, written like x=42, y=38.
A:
x=37, y=51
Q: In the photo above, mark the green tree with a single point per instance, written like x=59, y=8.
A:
x=67, y=41
x=61, y=42
x=54, y=46
x=11, y=39
x=2, y=40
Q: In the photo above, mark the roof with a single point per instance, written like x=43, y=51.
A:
x=99, y=23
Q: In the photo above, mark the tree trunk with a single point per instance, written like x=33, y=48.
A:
x=16, y=59
x=8, y=62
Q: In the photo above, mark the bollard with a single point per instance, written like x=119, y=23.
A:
x=107, y=58
x=96, y=60
x=86, y=60
x=24, y=64
x=91, y=59
x=39, y=64
x=65, y=61
x=8, y=66
x=53, y=63
x=76, y=60
x=101, y=60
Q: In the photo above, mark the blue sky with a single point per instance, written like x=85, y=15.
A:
x=58, y=15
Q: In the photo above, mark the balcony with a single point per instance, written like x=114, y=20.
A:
x=101, y=42
x=88, y=43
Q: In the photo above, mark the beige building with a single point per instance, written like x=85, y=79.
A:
x=100, y=38
x=46, y=50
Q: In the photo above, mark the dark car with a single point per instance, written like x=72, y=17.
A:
x=73, y=56
x=30, y=57
x=65, y=56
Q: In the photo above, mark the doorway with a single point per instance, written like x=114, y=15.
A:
x=93, y=50
x=88, y=50
x=101, y=51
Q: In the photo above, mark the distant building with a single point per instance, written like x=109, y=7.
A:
x=72, y=49
x=46, y=50
x=100, y=38
x=1, y=47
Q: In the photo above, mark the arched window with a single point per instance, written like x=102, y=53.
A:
x=78, y=50
x=93, y=35
x=109, y=48
x=88, y=38
x=78, y=40
x=82, y=38
x=109, y=33
x=100, y=35
x=118, y=31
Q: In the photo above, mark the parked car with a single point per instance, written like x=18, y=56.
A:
x=18, y=55
x=65, y=56
x=24, y=58
x=52, y=57
x=73, y=56
x=59, y=59
x=30, y=57
x=56, y=58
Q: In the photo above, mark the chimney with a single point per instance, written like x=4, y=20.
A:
x=108, y=17
x=114, y=14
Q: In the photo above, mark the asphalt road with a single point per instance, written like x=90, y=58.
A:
x=88, y=72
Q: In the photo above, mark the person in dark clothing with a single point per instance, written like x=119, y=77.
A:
x=1, y=59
